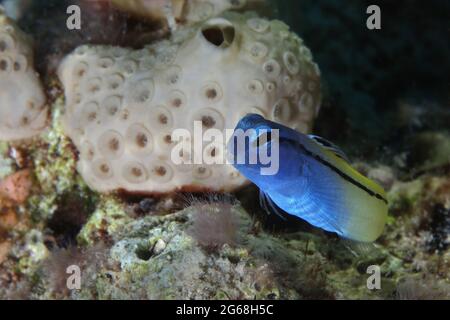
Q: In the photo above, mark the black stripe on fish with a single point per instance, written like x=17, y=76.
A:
x=339, y=172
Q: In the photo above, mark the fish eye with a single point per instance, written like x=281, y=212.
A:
x=263, y=139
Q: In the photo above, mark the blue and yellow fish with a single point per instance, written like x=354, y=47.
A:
x=314, y=180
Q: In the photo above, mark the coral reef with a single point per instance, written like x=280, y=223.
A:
x=161, y=257
x=167, y=254
x=54, y=269
x=422, y=289
x=23, y=110
x=122, y=105
x=134, y=246
x=177, y=255
x=214, y=226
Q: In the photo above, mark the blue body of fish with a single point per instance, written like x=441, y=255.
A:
x=313, y=181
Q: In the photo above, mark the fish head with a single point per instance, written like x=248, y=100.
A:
x=259, y=150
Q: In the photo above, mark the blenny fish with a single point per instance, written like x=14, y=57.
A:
x=314, y=180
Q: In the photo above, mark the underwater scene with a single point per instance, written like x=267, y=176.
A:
x=224, y=150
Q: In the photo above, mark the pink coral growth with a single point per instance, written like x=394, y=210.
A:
x=214, y=224
x=89, y=260
x=16, y=187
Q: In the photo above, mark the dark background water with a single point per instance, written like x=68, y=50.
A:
x=369, y=76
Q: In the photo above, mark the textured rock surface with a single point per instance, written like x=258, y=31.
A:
x=164, y=261
x=23, y=111
x=154, y=256
x=122, y=105
x=166, y=257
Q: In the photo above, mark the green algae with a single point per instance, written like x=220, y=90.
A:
x=54, y=162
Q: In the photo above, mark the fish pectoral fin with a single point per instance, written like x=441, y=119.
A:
x=330, y=146
x=269, y=206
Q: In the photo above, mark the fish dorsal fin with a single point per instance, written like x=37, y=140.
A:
x=344, y=164
x=330, y=146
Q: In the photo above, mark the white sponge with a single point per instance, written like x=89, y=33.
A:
x=122, y=105
x=23, y=110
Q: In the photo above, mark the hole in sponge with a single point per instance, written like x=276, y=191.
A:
x=163, y=119
x=168, y=139
x=141, y=140
x=219, y=36
x=161, y=171
x=143, y=252
x=114, y=144
x=208, y=121
x=211, y=93
x=3, y=46
x=3, y=65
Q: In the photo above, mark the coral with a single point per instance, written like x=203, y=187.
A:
x=159, y=257
x=419, y=226
x=103, y=222
x=8, y=218
x=4, y=250
x=214, y=225
x=16, y=187
x=159, y=260
x=53, y=162
x=422, y=289
x=23, y=110
x=29, y=252
x=143, y=246
x=20, y=290
x=122, y=105
x=439, y=225
x=429, y=150
x=54, y=268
